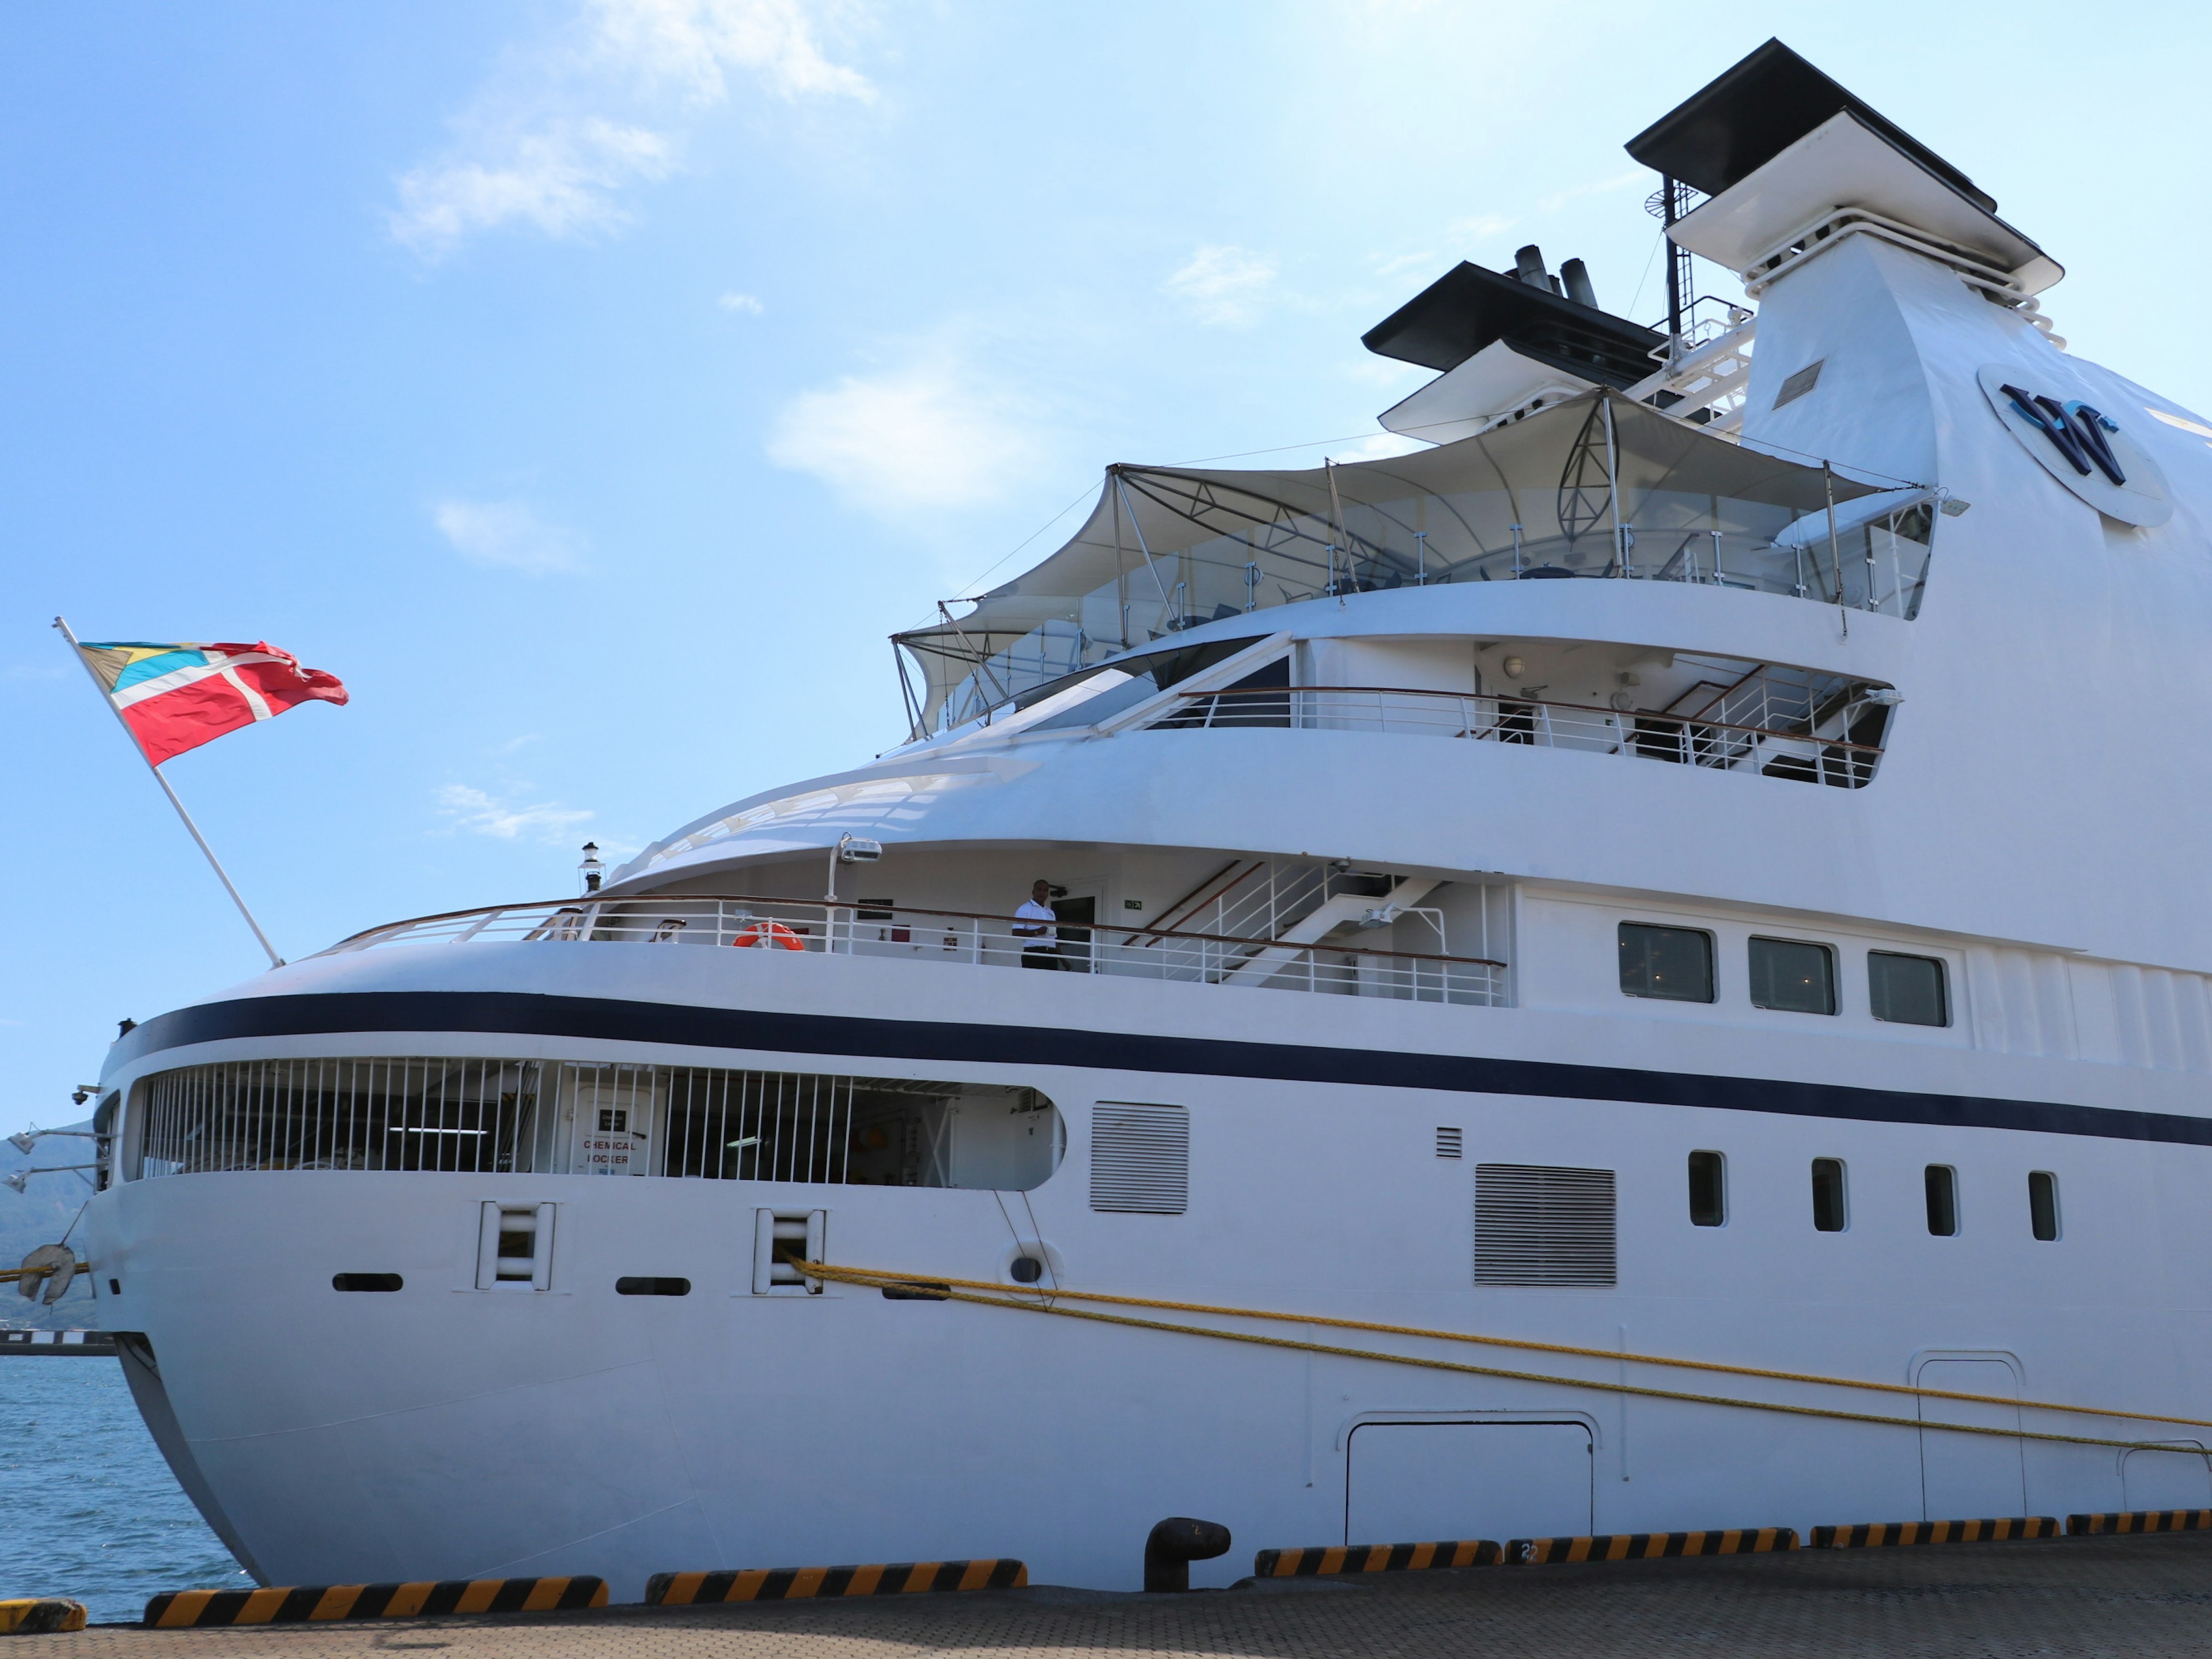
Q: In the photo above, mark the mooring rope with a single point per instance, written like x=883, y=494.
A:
x=1001, y=1295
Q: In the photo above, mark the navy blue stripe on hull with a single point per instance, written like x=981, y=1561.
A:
x=606, y=1019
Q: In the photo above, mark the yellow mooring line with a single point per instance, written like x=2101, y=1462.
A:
x=1044, y=1302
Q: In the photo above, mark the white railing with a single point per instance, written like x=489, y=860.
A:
x=1776, y=751
x=968, y=937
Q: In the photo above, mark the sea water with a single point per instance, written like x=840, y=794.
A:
x=87, y=1507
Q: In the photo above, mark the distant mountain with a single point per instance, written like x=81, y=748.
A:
x=40, y=1214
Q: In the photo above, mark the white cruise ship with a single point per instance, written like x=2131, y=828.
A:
x=1577, y=884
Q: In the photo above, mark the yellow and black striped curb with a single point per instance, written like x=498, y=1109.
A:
x=1875, y=1533
x=2140, y=1520
x=796, y=1584
x=41, y=1615
x=305, y=1603
x=1648, y=1545
x=1376, y=1558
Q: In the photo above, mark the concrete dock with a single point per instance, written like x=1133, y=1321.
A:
x=2102, y=1595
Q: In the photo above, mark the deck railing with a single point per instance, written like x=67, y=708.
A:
x=968, y=937
x=1776, y=751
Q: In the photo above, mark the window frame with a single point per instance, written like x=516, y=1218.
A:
x=1712, y=961
x=2049, y=1178
x=1719, y=1168
x=1843, y=1190
x=1939, y=1187
x=1942, y=990
x=1750, y=951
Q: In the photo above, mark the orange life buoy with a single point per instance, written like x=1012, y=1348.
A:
x=767, y=935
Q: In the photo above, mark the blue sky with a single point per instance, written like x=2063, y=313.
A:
x=594, y=386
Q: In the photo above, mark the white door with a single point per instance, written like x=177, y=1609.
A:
x=2177, y=1479
x=1418, y=1483
x=1970, y=1477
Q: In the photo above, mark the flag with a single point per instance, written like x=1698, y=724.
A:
x=175, y=697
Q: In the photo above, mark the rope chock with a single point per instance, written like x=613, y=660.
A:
x=315, y=1603
x=41, y=1615
x=673, y=1589
x=1376, y=1558
x=2080, y=1525
x=1648, y=1545
x=1876, y=1534
x=1051, y=1300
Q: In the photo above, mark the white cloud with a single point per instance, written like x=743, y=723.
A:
x=559, y=178
x=1380, y=447
x=508, y=535
x=1224, y=285
x=744, y=304
x=694, y=42
x=1559, y=199
x=933, y=435
x=482, y=814
x=539, y=146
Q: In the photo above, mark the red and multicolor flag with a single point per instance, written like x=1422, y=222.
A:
x=175, y=697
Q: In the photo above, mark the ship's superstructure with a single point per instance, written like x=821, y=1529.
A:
x=1679, y=866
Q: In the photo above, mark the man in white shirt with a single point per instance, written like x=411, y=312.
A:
x=1033, y=926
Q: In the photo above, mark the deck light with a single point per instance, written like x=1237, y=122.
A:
x=590, y=868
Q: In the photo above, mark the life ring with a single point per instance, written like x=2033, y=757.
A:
x=768, y=935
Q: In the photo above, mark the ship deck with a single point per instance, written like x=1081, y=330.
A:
x=2101, y=1596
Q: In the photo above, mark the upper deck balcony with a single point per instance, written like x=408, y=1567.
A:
x=1596, y=488
x=1299, y=910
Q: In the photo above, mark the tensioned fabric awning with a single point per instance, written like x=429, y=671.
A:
x=1167, y=548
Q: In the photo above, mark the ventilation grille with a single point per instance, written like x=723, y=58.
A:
x=1534, y=1226
x=1448, y=1142
x=1140, y=1159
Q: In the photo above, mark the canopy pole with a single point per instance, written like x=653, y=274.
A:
x=983, y=663
x=1121, y=494
x=1835, y=548
x=1336, y=504
x=213, y=863
x=905, y=691
x=1613, y=484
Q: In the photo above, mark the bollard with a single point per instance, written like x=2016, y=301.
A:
x=1175, y=1544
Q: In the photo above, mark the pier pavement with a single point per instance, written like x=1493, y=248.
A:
x=2089, y=1596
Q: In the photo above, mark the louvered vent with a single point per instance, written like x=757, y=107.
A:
x=1448, y=1142
x=1534, y=1226
x=1140, y=1159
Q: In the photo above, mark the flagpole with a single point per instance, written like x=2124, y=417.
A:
x=215, y=863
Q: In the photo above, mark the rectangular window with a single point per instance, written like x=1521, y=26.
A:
x=1708, y=1190
x=1673, y=964
x=1536, y=1225
x=1906, y=990
x=1942, y=1201
x=1828, y=1212
x=2043, y=1204
x=1793, y=975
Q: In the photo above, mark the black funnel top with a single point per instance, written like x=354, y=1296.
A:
x=1752, y=112
x=1468, y=308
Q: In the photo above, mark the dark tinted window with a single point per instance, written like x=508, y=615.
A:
x=1795, y=976
x=1906, y=990
x=1675, y=963
x=1942, y=1201
x=1828, y=1195
x=362, y=1281
x=652, y=1287
x=1708, y=1189
x=2043, y=1204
